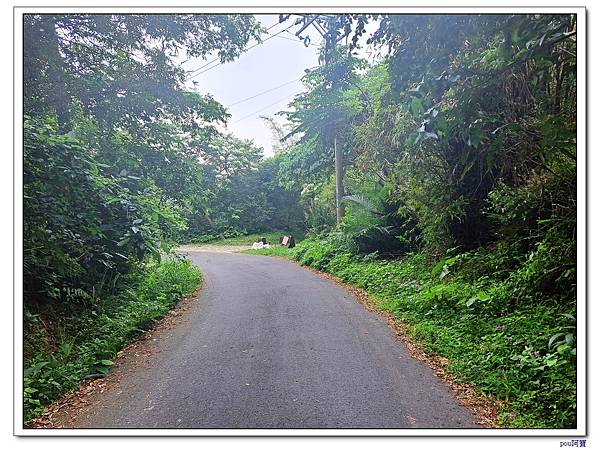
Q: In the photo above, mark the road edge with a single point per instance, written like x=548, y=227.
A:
x=73, y=402
x=485, y=408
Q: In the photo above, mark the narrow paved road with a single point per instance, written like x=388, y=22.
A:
x=270, y=344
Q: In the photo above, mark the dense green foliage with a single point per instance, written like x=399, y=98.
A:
x=443, y=135
x=241, y=194
x=112, y=140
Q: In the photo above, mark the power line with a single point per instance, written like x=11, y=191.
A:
x=271, y=36
x=217, y=58
x=263, y=92
x=262, y=109
x=318, y=44
x=292, y=39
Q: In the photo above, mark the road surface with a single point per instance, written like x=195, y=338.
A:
x=269, y=344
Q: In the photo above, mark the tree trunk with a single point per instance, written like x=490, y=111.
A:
x=57, y=75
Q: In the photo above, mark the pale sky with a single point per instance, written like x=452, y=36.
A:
x=279, y=60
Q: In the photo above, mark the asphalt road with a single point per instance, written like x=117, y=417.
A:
x=269, y=344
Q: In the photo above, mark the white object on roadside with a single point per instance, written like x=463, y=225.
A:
x=260, y=246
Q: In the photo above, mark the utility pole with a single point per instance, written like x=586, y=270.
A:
x=324, y=24
x=339, y=183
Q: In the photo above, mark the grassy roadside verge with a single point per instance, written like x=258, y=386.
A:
x=66, y=346
x=247, y=239
x=510, y=343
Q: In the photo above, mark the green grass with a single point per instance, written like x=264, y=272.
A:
x=508, y=340
x=88, y=339
x=275, y=250
x=247, y=239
